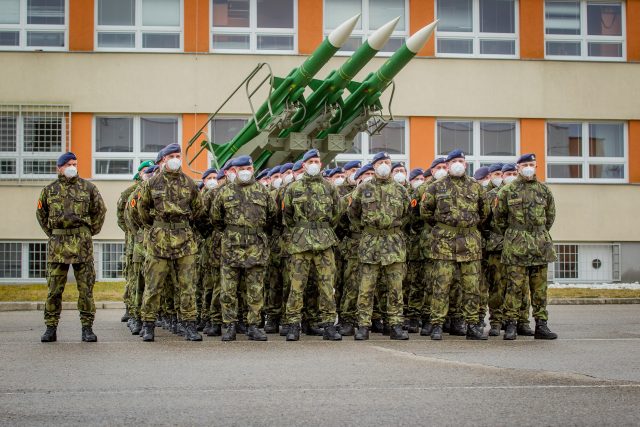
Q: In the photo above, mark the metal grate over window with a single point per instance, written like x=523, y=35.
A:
x=10, y=260
x=37, y=260
x=586, y=263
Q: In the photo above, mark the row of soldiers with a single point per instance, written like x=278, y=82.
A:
x=294, y=249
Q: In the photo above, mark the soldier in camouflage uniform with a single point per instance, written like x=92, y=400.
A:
x=273, y=281
x=170, y=204
x=310, y=211
x=413, y=284
x=525, y=211
x=381, y=206
x=128, y=248
x=70, y=211
x=244, y=210
x=455, y=207
x=481, y=175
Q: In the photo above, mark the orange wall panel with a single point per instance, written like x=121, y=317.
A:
x=81, y=145
x=532, y=141
x=310, y=22
x=634, y=151
x=532, y=29
x=191, y=123
x=196, y=26
x=81, y=20
x=421, y=13
x=422, y=141
x=633, y=30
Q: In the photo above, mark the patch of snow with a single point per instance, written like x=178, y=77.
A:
x=556, y=285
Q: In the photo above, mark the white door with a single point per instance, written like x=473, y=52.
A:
x=596, y=263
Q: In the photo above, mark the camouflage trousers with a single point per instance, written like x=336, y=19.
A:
x=493, y=273
x=380, y=301
x=444, y=276
x=349, y=300
x=138, y=288
x=157, y=274
x=338, y=286
x=129, y=288
x=211, y=308
x=310, y=310
x=455, y=298
x=372, y=276
x=85, y=275
x=231, y=279
x=274, y=304
x=299, y=269
x=170, y=294
x=419, y=301
x=199, y=287
x=519, y=279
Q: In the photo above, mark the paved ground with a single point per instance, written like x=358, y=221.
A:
x=590, y=376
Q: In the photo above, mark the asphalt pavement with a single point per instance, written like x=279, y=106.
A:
x=589, y=376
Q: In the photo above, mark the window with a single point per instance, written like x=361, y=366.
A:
x=591, y=151
x=483, y=141
x=586, y=262
x=374, y=14
x=585, y=29
x=394, y=139
x=266, y=26
x=223, y=130
x=31, y=139
x=154, y=25
x=121, y=143
x=486, y=28
x=33, y=24
x=109, y=260
x=23, y=261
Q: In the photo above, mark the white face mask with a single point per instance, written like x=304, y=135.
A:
x=313, y=169
x=264, y=183
x=400, y=177
x=352, y=178
x=383, y=170
x=231, y=176
x=174, y=164
x=277, y=183
x=287, y=178
x=497, y=181
x=528, y=171
x=245, y=175
x=457, y=169
x=70, y=171
x=367, y=178
x=212, y=183
x=509, y=179
x=485, y=183
x=299, y=176
x=338, y=182
x=417, y=183
x=439, y=173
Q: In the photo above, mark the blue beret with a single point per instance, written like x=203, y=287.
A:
x=286, y=167
x=508, y=167
x=310, y=154
x=353, y=164
x=159, y=156
x=228, y=165
x=495, y=167
x=415, y=173
x=332, y=172
x=274, y=171
x=263, y=174
x=171, y=148
x=363, y=169
x=383, y=155
x=209, y=172
x=455, y=154
x=200, y=185
x=63, y=159
x=297, y=166
x=220, y=174
x=326, y=172
x=242, y=161
x=529, y=157
x=481, y=173
x=427, y=173
x=437, y=161
x=396, y=165
x=152, y=169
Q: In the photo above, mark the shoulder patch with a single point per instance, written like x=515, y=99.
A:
x=283, y=205
x=133, y=203
x=350, y=200
x=495, y=202
x=424, y=196
x=414, y=203
x=39, y=204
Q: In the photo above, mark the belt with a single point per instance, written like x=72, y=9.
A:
x=68, y=231
x=382, y=232
x=171, y=225
x=530, y=228
x=313, y=225
x=461, y=230
x=244, y=230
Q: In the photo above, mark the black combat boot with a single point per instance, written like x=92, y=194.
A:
x=436, y=332
x=386, y=329
x=130, y=323
x=524, y=329
x=446, y=326
x=284, y=330
x=331, y=333
x=148, y=331
x=315, y=331
x=174, y=324
x=207, y=328
x=158, y=323
x=347, y=330
x=88, y=335
x=241, y=327
x=201, y=324
x=166, y=322
x=137, y=327
x=398, y=333
x=272, y=326
x=427, y=327
x=414, y=326
x=49, y=335
x=543, y=332
x=191, y=331
x=495, y=330
x=475, y=332
x=230, y=333
x=511, y=331
x=362, y=334
x=457, y=328
x=255, y=334
x=377, y=326
x=181, y=329
x=215, y=331
x=125, y=317
x=293, y=333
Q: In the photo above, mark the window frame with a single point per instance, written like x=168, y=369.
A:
x=616, y=262
x=98, y=250
x=138, y=29
x=584, y=38
x=585, y=160
x=23, y=28
x=367, y=155
x=24, y=263
x=253, y=32
x=476, y=35
x=364, y=34
x=136, y=155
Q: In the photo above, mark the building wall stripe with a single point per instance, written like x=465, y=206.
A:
x=196, y=26
x=634, y=151
x=531, y=32
x=81, y=142
x=633, y=30
x=190, y=125
x=532, y=136
x=310, y=23
x=422, y=132
x=421, y=13
x=81, y=25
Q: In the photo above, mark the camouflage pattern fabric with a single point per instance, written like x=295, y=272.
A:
x=230, y=279
x=138, y=294
x=492, y=270
x=443, y=277
x=157, y=273
x=419, y=300
x=56, y=280
x=518, y=279
x=370, y=276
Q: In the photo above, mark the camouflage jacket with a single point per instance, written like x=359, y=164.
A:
x=170, y=205
x=345, y=189
x=350, y=244
x=455, y=207
x=491, y=234
x=245, y=212
x=122, y=203
x=381, y=207
x=210, y=249
x=415, y=228
x=525, y=211
x=70, y=211
x=135, y=225
x=310, y=210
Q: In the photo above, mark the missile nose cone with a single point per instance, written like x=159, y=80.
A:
x=419, y=39
x=340, y=35
x=378, y=39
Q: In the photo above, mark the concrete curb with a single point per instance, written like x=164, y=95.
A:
x=590, y=301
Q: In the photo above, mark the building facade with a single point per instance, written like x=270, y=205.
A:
x=115, y=80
